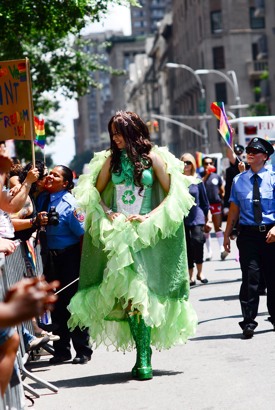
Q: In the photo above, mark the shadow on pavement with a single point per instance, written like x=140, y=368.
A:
x=225, y=298
x=230, y=317
x=103, y=379
x=229, y=336
x=215, y=282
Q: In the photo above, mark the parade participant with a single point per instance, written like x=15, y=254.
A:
x=252, y=202
x=64, y=231
x=25, y=298
x=215, y=191
x=196, y=223
x=235, y=158
x=134, y=282
x=26, y=222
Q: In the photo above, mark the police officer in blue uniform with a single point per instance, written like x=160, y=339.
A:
x=64, y=231
x=252, y=202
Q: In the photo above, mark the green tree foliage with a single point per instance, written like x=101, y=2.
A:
x=258, y=109
x=78, y=161
x=48, y=33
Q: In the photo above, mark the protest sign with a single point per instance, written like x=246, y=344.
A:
x=16, y=106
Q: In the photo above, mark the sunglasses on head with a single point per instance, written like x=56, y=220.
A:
x=253, y=151
x=187, y=163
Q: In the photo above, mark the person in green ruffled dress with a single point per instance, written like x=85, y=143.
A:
x=134, y=282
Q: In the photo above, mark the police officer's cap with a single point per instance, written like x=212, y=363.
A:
x=261, y=145
x=238, y=149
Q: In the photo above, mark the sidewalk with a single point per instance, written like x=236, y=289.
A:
x=215, y=370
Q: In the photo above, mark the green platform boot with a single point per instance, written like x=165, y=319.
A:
x=142, y=336
x=133, y=323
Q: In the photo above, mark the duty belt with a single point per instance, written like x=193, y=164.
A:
x=57, y=252
x=256, y=228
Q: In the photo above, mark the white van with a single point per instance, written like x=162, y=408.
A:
x=250, y=127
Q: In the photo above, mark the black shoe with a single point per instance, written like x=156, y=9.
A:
x=248, y=332
x=204, y=281
x=59, y=359
x=192, y=283
x=81, y=359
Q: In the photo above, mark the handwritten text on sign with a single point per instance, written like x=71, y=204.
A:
x=14, y=100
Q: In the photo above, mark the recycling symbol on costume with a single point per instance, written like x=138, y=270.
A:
x=128, y=197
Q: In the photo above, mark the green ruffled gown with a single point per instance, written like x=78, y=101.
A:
x=143, y=264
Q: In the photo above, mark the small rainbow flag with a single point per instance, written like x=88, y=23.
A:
x=22, y=72
x=39, y=126
x=224, y=127
x=199, y=157
x=31, y=254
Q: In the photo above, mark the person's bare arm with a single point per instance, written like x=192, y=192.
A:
x=27, y=299
x=14, y=203
x=231, y=155
x=159, y=168
x=7, y=246
x=22, y=224
x=104, y=176
x=101, y=183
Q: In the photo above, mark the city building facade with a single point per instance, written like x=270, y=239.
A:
x=145, y=19
x=225, y=44
x=212, y=50
x=199, y=52
x=94, y=108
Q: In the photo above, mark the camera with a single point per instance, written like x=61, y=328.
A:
x=53, y=216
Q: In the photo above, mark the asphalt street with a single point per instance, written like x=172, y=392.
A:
x=216, y=370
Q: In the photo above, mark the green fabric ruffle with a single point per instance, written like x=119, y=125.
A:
x=144, y=263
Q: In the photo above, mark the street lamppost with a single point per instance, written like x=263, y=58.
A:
x=233, y=84
x=202, y=91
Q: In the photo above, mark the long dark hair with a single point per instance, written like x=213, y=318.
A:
x=67, y=174
x=137, y=140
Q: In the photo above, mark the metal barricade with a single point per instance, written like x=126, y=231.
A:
x=14, y=397
x=15, y=268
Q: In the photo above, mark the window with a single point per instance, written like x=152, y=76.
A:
x=255, y=22
x=218, y=58
x=137, y=13
x=221, y=93
x=254, y=51
x=216, y=21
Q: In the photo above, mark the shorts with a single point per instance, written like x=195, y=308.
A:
x=5, y=334
x=216, y=209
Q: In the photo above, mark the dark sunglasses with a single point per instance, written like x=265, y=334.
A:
x=253, y=151
x=187, y=163
x=208, y=163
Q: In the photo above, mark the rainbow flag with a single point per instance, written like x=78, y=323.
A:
x=224, y=127
x=31, y=253
x=199, y=157
x=39, y=127
x=22, y=72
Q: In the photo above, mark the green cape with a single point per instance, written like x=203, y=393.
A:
x=142, y=263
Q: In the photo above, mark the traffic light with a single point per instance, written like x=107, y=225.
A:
x=202, y=105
